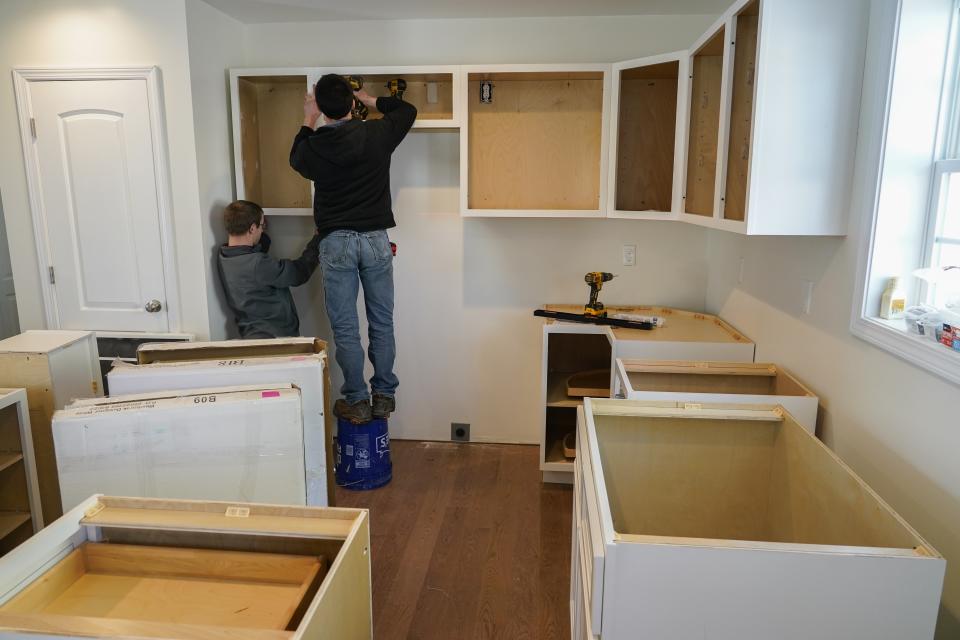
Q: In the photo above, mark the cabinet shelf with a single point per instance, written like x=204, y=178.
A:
x=9, y=459
x=11, y=521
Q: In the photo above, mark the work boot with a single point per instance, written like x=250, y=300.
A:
x=356, y=413
x=383, y=405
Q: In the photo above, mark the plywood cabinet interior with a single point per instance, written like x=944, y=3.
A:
x=271, y=113
x=746, y=31
x=706, y=75
x=647, y=135
x=742, y=522
x=737, y=383
x=134, y=567
x=430, y=93
x=536, y=148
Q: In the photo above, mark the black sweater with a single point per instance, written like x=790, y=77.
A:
x=349, y=164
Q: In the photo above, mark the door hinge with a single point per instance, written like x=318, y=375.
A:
x=33, y=128
x=53, y=279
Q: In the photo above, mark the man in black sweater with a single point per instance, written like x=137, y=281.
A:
x=348, y=161
x=257, y=287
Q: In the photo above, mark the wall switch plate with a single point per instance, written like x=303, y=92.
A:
x=433, y=94
x=629, y=255
x=460, y=431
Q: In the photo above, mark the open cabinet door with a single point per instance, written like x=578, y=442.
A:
x=647, y=136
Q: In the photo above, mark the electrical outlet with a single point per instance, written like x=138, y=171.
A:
x=743, y=262
x=433, y=93
x=629, y=255
x=807, y=296
x=460, y=431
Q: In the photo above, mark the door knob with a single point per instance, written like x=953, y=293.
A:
x=153, y=306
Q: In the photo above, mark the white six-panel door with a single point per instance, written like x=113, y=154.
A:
x=98, y=199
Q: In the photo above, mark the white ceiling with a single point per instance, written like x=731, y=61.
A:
x=261, y=11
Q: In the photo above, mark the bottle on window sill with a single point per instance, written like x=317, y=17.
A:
x=893, y=301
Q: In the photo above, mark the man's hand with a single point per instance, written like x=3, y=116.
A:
x=366, y=98
x=311, y=112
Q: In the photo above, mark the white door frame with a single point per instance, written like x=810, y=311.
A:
x=22, y=77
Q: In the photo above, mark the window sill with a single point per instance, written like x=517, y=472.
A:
x=922, y=351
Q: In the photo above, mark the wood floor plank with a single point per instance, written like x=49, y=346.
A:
x=468, y=543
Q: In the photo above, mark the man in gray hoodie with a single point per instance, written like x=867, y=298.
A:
x=257, y=286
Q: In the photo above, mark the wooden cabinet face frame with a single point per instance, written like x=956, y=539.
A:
x=646, y=172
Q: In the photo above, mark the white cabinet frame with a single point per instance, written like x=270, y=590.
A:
x=680, y=138
x=601, y=210
x=313, y=74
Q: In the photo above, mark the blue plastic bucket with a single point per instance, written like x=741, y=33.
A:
x=363, y=455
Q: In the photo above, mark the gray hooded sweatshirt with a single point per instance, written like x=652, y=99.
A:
x=257, y=287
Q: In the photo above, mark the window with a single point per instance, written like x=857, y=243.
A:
x=942, y=250
x=911, y=127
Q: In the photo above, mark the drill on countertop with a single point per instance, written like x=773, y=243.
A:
x=595, y=308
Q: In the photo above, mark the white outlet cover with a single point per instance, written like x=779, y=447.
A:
x=629, y=255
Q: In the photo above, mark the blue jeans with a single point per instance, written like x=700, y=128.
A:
x=347, y=260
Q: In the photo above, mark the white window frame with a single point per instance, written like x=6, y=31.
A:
x=920, y=351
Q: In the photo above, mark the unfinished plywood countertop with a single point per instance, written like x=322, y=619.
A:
x=681, y=326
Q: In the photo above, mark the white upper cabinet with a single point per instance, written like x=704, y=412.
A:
x=773, y=117
x=647, y=136
x=534, y=140
x=268, y=112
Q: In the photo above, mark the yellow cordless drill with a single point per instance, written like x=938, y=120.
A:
x=594, y=308
x=359, y=110
x=397, y=87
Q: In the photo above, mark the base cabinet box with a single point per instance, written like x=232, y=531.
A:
x=240, y=443
x=20, y=515
x=741, y=525
x=579, y=360
x=55, y=367
x=738, y=383
x=174, y=569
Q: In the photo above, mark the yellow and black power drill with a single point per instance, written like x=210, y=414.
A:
x=359, y=110
x=595, y=308
x=397, y=87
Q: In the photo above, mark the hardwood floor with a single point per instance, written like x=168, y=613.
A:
x=468, y=543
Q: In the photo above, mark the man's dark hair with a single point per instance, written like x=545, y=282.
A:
x=333, y=95
x=239, y=215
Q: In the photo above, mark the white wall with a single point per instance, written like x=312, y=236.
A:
x=468, y=346
x=90, y=34
x=893, y=423
x=216, y=44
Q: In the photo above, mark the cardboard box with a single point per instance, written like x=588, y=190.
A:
x=307, y=372
x=235, y=444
